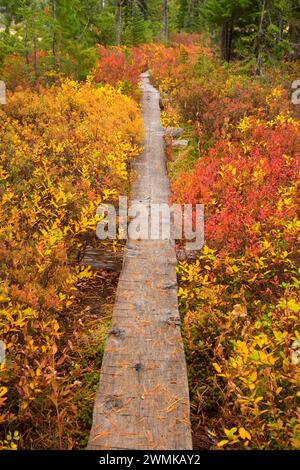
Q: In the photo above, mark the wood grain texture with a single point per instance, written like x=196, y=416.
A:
x=143, y=399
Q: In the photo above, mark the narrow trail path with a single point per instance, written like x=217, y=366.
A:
x=143, y=398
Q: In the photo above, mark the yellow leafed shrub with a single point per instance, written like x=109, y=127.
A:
x=62, y=151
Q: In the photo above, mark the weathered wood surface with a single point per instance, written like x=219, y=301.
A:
x=102, y=259
x=143, y=398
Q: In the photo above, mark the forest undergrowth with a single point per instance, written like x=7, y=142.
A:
x=64, y=148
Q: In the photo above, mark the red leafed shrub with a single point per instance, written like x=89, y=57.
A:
x=241, y=183
x=215, y=102
x=239, y=299
x=116, y=65
x=123, y=64
x=185, y=39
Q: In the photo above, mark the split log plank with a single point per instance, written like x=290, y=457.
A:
x=143, y=398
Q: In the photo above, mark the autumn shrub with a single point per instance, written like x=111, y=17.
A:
x=240, y=299
x=15, y=72
x=66, y=149
x=186, y=39
x=119, y=66
x=241, y=183
x=62, y=152
x=123, y=65
x=241, y=332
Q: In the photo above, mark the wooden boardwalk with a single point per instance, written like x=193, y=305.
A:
x=143, y=398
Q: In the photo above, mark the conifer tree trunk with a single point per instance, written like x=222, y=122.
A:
x=26, y=43
x=224, y=31
x=54, y=38
x=166, y=20
x=260, y=40
x=119, y=22
x=229, y=44
x=35, y=60
x=226, y=40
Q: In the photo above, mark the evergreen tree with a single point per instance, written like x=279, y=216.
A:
x=66, y=32
x=259, y=28
x=225, y=14
x=32, y=30
x=136, y=24
x=189, y=15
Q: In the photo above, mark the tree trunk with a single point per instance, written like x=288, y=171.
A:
x=144, y=8
x=226, y=40
x=54, y=38
x=190, y=16
x=35, y=56
x=8, y=23
x=229, y=43
x=119, y=23
x=166, y=20
x=26, y=44
x=259, y=40
x=294, y=27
